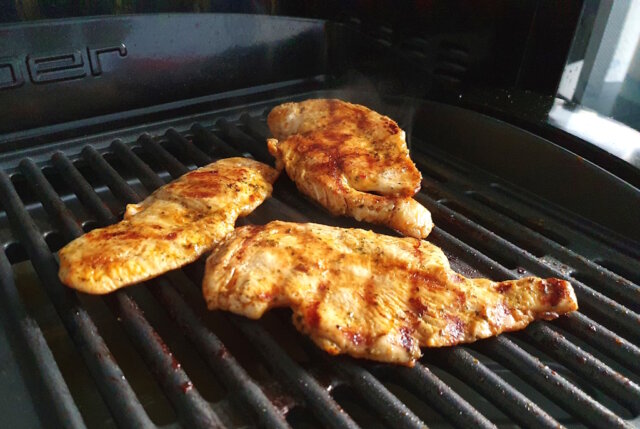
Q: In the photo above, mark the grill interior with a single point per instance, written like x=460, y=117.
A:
x=151, y=355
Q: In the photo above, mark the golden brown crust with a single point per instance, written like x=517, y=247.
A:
x=370, y=295
x=338, y=153
x=172, y=227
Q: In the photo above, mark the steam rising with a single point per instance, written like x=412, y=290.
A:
x=361, y=89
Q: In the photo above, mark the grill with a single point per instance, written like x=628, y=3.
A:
x=151, y=355
x=583, y=365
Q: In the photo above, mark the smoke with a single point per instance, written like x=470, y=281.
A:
x=356, y=87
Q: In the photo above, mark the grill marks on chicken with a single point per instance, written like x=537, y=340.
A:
x=369, y=295
x=338, y=153
x=172, y=227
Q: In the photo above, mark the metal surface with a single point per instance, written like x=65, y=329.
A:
x=580, y=370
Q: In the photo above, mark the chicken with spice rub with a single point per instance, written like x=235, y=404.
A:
x=370, y=295
x=351, y=160
x=172, y=227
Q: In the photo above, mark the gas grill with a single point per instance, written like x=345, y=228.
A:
x=504, y=200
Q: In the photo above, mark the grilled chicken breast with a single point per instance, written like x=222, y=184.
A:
x=172, y=227
x=370, y=295
x=338, y=153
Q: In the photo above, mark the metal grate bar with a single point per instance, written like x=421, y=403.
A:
x=213, y=143
x=300, y=381
x=149, y=179
x=213, y=351
x=378, y=397
x=193, y=410
x=153, y=148
x=190, y=405
x=558, y=218
x=244, y=141
x=513, y=403
x=611, y=283
x=590, y=368
x=108, y=173
x=190, y=150
x=606, y=308
x=85, y=192
x=384, y=403
x=428, y=386
x=209, y=346
x=602, y=339
x=55, y=387
x=580, y=325
x=582, y=406
x=258, y=129
x=114, y=388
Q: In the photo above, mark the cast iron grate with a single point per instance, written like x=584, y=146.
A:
x=582, y=369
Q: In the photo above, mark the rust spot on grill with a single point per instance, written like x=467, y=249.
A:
x=553, y=290
x=175, y=365
x=186, y=386
x=223, y=353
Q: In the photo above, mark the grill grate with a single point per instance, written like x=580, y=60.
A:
x=586, y=364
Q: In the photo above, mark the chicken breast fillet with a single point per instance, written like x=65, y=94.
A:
x=370, y=295
x=338, y=153
x=172, y=227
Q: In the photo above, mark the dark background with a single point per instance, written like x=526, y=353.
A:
x=515, y=44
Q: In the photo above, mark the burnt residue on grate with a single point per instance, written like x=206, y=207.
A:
x=216, y=369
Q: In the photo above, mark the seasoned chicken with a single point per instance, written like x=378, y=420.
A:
x=172, y=227
x=370, y=295
x=351, y=160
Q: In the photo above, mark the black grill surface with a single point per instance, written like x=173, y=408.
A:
x=151, y=355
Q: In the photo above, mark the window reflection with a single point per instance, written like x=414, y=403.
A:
x=603, y=69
